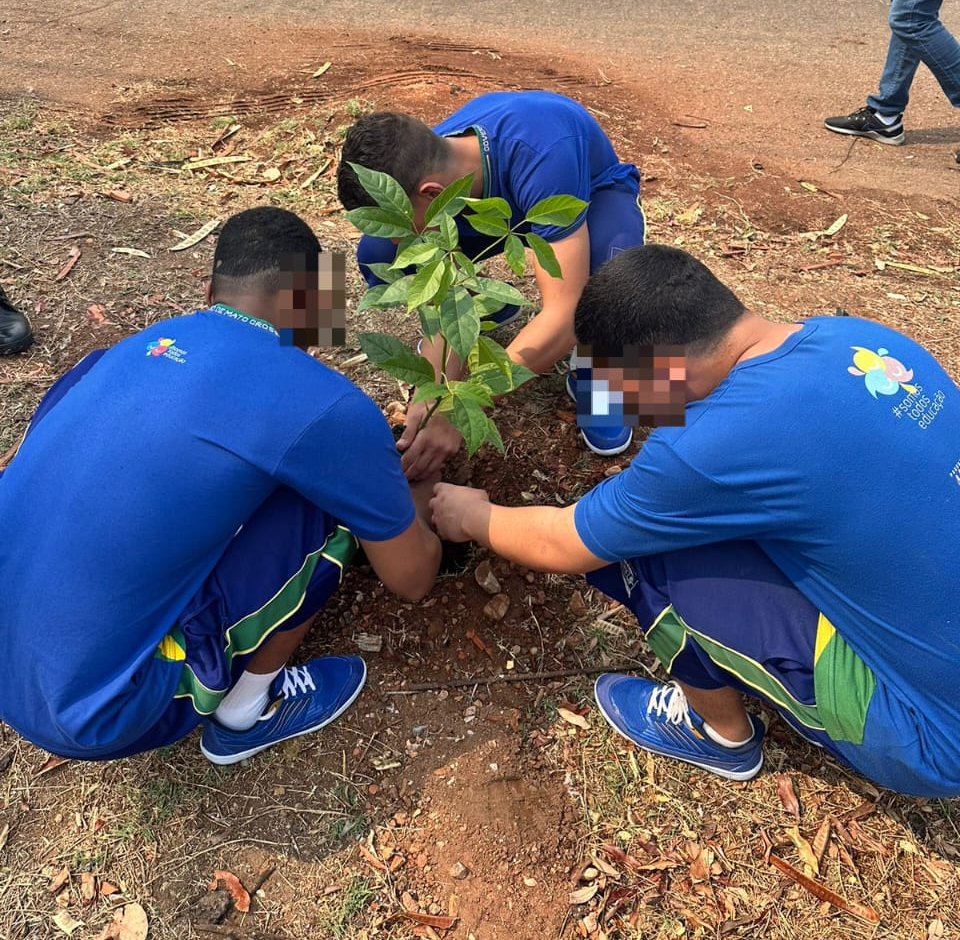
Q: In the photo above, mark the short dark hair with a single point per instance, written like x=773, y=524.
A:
x=256, y=245
x=392, y=143
x=655, y=295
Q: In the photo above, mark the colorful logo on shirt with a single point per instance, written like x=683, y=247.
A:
x=882, y=374
x=165, y=348
x=159, y=346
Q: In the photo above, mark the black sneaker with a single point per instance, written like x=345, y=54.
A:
x=15, y=332
x=866, y=123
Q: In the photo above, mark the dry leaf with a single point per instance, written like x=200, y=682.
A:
x=66, y=922
x=821, y=839
x=582, y=895
x=321, y=70
x=214, y=161
x=4, y=834
x=427, y=920
x=836, y=226
x=59, y=880
x=118, y=195
x=129, y=923
x=573, y=718
x=88, y=887
x=788, y=795
x=202, y=232
x=371, y=858
x=96, y=313
x=51, y=763
x=72, y=259
x=238, y=894
x=822, y=892
x=137, y=252
x=271, y=174
x=935, y=929
x=804, y=850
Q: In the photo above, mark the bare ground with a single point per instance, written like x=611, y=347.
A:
x=488, y=802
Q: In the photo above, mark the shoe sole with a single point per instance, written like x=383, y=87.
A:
x=606, y=451
x=870, y=135
x=748, y=774
x=222, y=760
x=19, y=346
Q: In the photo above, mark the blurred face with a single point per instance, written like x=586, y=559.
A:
x=311, y=301
x=638, y=386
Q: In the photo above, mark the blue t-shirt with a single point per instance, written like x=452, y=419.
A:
x=536, y=144
x=839, y=454
x=128, y=490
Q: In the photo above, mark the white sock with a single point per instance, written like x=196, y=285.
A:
x=887, y=119
x=245, y=702
x=718, y=738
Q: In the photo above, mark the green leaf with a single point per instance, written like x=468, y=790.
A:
x=417, y=253
x=392, y=356
x=489, y=352
x=450, y=200
x=493, y=435
x=446, y=235
x=429, y=391
x=384, y=271
x=488, y=225
x=396, y=293
x=381, y=223
x=492, y=379
x=372, y=297
x=493, y=205
x=469, y=419
x=459, y=321
x=464, y=264
x=385, y=190
x=545, y=254
x=497, y=290
x=556, y=210
x=429, y=320
x=520, y=374
x=474, y=391
x=426, y=282
x=515, y=255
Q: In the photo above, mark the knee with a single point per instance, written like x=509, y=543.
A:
x=908, y=20
x=371, y=250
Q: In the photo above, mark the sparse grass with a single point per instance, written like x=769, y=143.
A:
x=350, y=903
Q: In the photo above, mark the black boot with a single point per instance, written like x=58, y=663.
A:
x=15, y=332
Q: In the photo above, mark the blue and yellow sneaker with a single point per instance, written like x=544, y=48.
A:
x=304, y=699
x=656, y=717
x=605, y=441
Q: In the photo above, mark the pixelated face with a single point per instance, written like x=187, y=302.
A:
x=311, y=310
x=634, y=386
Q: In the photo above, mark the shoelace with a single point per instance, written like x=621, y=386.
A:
x=669, y=702
x=297, y=679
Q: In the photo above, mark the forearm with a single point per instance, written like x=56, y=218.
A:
x=546, y=339
x=540, y=537
x=433, y=353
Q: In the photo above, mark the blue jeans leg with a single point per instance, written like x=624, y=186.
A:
x=917, y=35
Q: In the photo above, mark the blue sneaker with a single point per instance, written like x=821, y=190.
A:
x=305, y=698
x=504, y=316
x=656, y=717
x=607, y=442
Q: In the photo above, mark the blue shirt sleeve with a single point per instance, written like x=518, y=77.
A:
x=347, y=462
x=661, y=504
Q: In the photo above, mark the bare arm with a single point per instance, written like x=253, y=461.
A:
x=549, y=335
x=541, y=537
x=408, y=563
